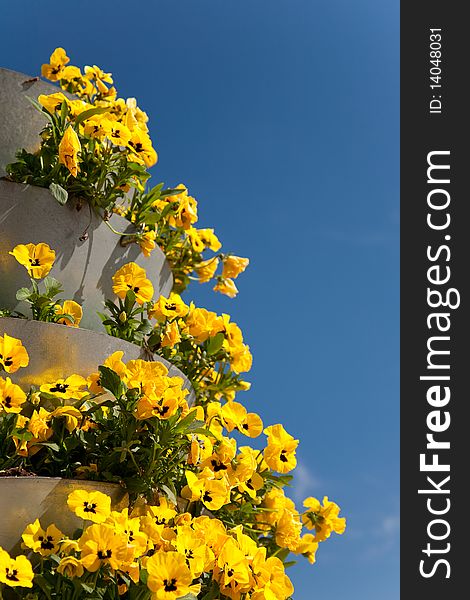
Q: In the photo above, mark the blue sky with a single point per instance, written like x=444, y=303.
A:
x=281, y=117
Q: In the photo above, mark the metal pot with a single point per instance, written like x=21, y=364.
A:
x=20, y=122
x=57, y=351
x=25, y=499
x=84, y=268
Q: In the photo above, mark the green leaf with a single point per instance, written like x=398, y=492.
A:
x=283, y=554
x=151, y=217
x=86, y=114
x=129, y=301
x=50, y=445
x=146, y=327
x=59, y=193
x=184, y=423
x=143, y=576
x=64, y=109
x=111, y=381
x=215, y=343
x=53, y=286
x=23, y=294
x=213, y=593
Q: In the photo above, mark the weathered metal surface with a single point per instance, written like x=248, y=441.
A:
x=85, y=268
x=25, y=499
x=57, y=351
x=20, y=122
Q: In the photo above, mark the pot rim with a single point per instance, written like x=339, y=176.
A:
x=71, y=479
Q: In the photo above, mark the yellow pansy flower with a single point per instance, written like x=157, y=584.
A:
x=213, y=493
x=308, y=547
x=147, y=242
x=135, y=117
x=226, y=287
x=141, y=148
x=196, y=242
x=191, y=545
x=13, y=354
x=205, y=270
x=71, y=415
x=288, y=529
x=38, y=425
x=52, y=102
x=252, y=426
x=140, y=372
x=202, y=323
x=117, y=133
x=54, y=68
x=210, y=240
x=43, y=541
x=15, y=572
x=129, y=527
x=132, y=277
x=92, y=506
x=70, y=74
x=71, y=567
x=168, y=308
x=273, y=582
x=232, y=565
x=97, y=75
x=12, y=396
x=324, y=519
x=280, y=452
x=171, y=335
x=100, y=545
x=69, y=148
x=96, y=126
x=241, y=361
x=184, y=208
x=71, y=387
x=169, y=577
x=162, y=406
x=233, y=266
x=201, y=448
x=36, y=258
x=70, y=307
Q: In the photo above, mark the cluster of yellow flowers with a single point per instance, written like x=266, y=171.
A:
x=119, y=122
x=192, y=332
x=208, y=517
x=217, y=473
x=104, y=144
x=160, y=395
x=175, y=549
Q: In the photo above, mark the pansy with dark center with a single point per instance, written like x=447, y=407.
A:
x=170, y=585
x=47, y=543
x=60, y=387
x=89, y=507
x=12, y=575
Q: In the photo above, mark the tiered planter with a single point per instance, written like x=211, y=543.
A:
x=88, y=254
x=31, y=214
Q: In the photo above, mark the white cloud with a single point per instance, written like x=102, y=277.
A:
x=304, y=483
